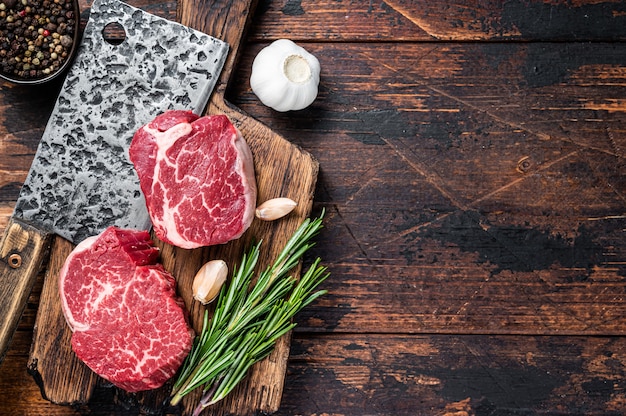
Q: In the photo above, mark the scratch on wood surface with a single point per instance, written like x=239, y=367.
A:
x=495, y=117
x=515, y=125
x=616, y=148
x=441, y=92
x=408, y=14
x=395, y=70
x=477, y=22
x=352, y=236
x=543, y=167
x=363, y=185
x=432, y=178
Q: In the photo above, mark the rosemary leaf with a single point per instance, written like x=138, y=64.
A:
x=249, y=319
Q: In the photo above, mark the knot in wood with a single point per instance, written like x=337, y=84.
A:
x=524, y=164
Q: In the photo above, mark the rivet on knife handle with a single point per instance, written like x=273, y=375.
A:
x=15, y=261
x=22, y=251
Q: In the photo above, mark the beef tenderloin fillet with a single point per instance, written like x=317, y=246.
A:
x=129, y=326
x=197, y=175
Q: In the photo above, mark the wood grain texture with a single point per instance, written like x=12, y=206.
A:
x=474, y=182
x=454, y=375
x=397, y=374
x=440, y=20
x=61, y=376
x=23, y=251
x=479, y=203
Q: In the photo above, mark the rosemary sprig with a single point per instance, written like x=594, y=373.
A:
x=248, y=321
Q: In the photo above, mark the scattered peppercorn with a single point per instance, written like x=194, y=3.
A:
x=36, y=37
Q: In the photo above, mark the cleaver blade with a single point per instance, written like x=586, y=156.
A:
x=81, y=180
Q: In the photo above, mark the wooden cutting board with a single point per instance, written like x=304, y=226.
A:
x=282, y=169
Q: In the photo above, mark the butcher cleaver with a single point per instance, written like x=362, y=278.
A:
x=81, y=180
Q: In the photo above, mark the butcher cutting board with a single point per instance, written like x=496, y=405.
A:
x=282, y=170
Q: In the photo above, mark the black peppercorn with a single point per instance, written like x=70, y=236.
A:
x=35, y=36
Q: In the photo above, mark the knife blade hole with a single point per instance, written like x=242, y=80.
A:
x=114, y=33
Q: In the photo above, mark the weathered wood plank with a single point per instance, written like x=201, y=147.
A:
x=23, y=114
x=467, y=192
x=554, y=91
x=443, y=375
x=440, y=20
x=352, y=374
x=21, y=395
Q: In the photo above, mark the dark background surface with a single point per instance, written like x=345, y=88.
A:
x=472, y=169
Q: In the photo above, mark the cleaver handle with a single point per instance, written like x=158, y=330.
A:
x=22, y=252
x=227, y=20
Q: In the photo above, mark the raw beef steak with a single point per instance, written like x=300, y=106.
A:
x=197, y=175
x=128, y=324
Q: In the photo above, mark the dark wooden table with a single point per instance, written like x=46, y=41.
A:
x=473, y=172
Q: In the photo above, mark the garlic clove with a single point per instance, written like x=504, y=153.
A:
x=209, y=280
x=285, y=76
x=275, y=208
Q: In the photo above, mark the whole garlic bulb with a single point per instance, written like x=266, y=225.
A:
x=285, y=76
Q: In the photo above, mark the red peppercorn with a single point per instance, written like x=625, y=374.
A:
x=46, y=33
x=22, y=13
